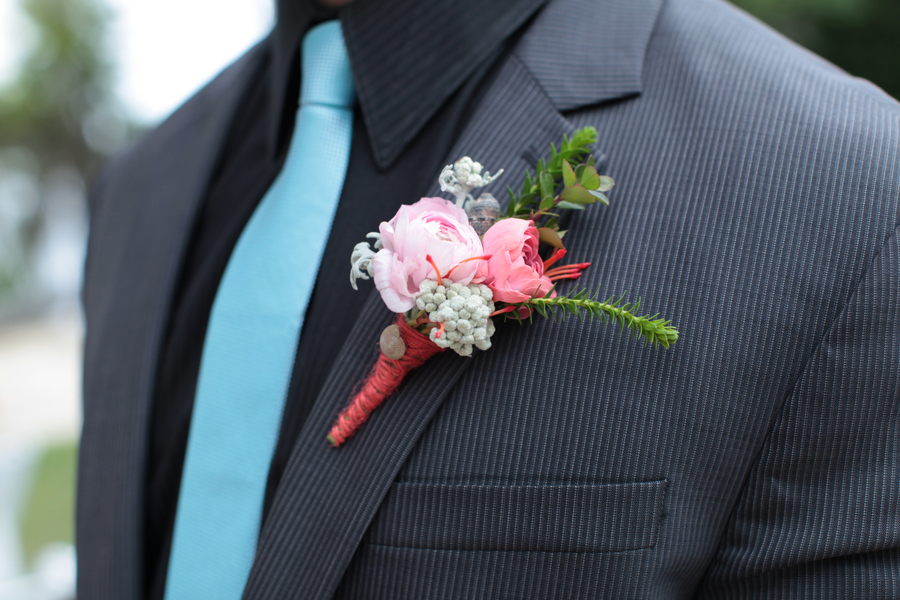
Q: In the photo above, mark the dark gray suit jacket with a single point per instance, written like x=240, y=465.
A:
x=756, y=206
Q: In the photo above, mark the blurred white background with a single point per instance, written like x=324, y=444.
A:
x=78, y=80
x=163, y=50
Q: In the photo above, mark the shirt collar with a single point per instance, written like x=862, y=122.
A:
x=407, y=56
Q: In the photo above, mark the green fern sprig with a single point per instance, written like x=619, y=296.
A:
x=653, y=330
x=561, y=183
x=565, y=183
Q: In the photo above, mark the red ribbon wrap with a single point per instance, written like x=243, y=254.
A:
x=384, y=379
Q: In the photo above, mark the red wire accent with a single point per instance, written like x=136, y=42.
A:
x=485, y=257
x=557, y=254
x=572, y=271
x=505, y=309
x=436, y=270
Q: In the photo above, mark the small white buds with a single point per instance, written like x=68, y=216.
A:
x=462, y=177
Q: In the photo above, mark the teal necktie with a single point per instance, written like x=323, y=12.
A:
x=252, y=337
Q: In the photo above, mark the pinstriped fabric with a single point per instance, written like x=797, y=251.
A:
x=119, y=286
x=826, y=488
x=384, y=101
x=468, y=574
x=757, y=201
x=448, y=517
x=619, y=35
x=300, y=556
x=755, y=184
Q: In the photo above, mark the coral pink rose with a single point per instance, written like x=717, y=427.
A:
x=514, y=272
x=431, y=227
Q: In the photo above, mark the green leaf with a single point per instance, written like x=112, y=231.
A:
x=590, y=160
x=606, y=183
x=550, y=237
x=569, y=206
x=568, y=174
x=546, y=184
x=590, y=179
x=547, y=202
x=599, y=196
x=577, y=195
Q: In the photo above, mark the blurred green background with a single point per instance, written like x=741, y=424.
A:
x=44, y=517
x=60, y=118
x=860, y=36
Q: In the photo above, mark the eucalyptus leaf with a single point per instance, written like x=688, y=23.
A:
x=546, y=185
x=569, y=177
x=578, y=195
x=606, y=183
x=570, y=205
x=550, y=237
x=590, y=179
x=599, y=196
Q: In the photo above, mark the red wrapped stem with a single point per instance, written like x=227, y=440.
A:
x=385, y=377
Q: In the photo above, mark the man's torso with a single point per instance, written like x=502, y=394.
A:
x=756, y=193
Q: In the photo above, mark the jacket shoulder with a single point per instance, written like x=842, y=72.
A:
x=729, y=78
x=720, y=45
x=212, y=103
x=147, y=189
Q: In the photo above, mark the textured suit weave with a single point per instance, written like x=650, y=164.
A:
x=756, y=206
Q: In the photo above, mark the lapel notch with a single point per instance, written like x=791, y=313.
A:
x=605, y=44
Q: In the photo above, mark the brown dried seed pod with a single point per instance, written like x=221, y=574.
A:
x=392, y=345
x=483, y=213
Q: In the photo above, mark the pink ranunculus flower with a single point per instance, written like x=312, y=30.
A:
x=432, y=227
x=515, y=271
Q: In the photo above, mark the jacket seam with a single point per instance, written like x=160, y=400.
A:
x=776, y=415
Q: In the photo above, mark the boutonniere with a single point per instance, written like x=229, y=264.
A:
x=447, y=269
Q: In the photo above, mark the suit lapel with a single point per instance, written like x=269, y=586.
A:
x=127, y=309
x=327, y=497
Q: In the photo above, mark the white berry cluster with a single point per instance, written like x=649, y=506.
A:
x=464, y=311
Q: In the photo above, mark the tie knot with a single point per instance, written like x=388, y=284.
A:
x=326, y=77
